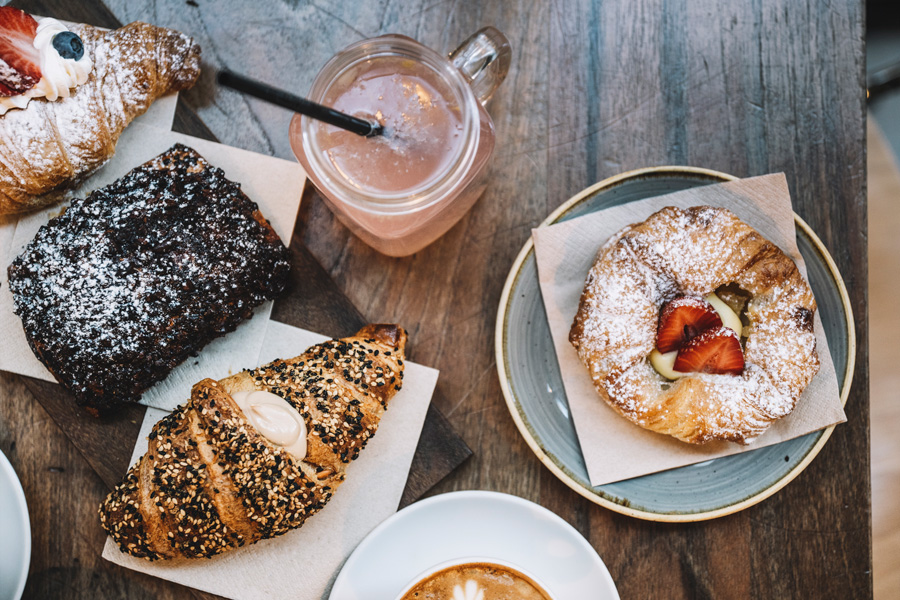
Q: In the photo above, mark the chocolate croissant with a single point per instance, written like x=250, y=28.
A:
x=50, y=146
x=254, y=455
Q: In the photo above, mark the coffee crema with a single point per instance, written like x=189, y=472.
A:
x=477, y=581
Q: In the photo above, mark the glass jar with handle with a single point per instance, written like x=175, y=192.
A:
x=402, y=190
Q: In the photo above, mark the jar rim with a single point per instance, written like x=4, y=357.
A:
x=435, y=188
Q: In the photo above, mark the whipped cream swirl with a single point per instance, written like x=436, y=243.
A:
x=58, y=75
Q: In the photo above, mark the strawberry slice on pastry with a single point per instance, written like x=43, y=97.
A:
x=682, y=319
x=19, y=59
x=717, y=351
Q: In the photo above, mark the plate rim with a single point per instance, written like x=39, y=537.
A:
x=588, y=492
x=22, y=505
x=461, y=495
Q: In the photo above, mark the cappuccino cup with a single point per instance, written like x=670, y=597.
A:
x=475, y=578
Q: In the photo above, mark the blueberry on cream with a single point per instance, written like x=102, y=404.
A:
x=64, y=65
x=68, y=45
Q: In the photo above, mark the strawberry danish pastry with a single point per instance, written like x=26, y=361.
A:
x=693, y=325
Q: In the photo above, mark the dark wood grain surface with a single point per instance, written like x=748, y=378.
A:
x=596, y=88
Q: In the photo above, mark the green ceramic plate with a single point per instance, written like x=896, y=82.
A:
x=532, y=385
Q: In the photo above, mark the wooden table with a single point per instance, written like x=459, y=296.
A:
x=596, y=88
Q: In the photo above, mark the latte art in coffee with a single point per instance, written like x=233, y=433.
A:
x=477, y=581
x=471, y=592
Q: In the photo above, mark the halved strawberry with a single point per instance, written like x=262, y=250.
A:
x=716, y=351
x=682, y=319
x=19, y=60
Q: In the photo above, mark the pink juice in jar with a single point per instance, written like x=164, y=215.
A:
x=400, y=191
x=423, y=130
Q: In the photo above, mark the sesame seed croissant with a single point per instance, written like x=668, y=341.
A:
x=211, y=480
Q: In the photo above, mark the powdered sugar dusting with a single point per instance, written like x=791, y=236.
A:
x=139, y=275
x=12, y=78
x=694, y=252
x=51, y=145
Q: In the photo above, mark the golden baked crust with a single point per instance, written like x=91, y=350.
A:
x=48, y=147
x=695, y=252
x=210, y=482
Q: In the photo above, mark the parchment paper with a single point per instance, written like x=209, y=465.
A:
x=302, y=563
x=275, y=184
x=615, y=449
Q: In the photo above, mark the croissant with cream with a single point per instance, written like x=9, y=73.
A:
x=254, y=455
x=47, y=146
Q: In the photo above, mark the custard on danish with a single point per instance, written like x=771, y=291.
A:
x=693, y=325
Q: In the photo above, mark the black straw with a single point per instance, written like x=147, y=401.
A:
x=882, y=81
x=303, y=106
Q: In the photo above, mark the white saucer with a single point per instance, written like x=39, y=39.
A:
x=474, y=523
x=15, y=534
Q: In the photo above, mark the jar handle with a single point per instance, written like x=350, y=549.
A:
x=483, y=59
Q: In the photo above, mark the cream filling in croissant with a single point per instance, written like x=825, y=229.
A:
x=58, y=75
x=275, y=420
